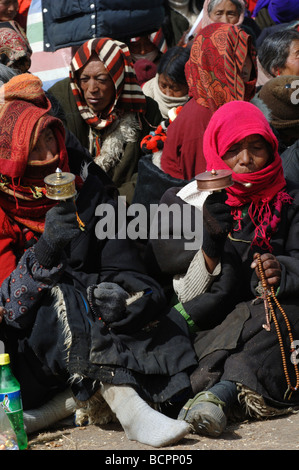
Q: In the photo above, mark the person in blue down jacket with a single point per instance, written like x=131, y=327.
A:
x=71, y=23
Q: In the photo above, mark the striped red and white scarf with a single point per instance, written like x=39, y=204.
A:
x=117, y=60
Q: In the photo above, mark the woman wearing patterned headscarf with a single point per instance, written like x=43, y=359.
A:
x=221, y=68
x=105, y=108
x=15, y=50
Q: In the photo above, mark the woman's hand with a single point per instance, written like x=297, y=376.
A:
x=271, y=268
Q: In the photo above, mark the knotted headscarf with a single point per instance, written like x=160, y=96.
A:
x=117, y=60
x=230, y=124
x=15, y=50
x=214, y=70
x=206, y=20
x=24, y=110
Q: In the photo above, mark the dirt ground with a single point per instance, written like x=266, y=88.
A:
x=273, y=434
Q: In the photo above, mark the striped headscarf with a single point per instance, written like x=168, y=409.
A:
x=117, y=60
x=157, y=38
x=214, y=70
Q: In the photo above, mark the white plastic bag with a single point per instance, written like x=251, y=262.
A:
x=8, y=439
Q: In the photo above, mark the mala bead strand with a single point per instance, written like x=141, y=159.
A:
x=267, y=304
x=268, y=296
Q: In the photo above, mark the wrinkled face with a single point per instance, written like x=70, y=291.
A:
x=292, y=63
x=97, y=86
x=171, y=88
x=225, y=12
x=249, y=155
x=46, y=147
x=8, y=9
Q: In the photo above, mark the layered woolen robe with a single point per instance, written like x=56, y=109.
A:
x=54, y=336
x=231, y=341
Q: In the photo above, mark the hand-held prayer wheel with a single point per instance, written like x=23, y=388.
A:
x=214, y=180
x=60, y=185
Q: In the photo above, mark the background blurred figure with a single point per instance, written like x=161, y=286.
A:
x=145, y=70
x=221, y=68
x=59, y=28
x=169, y=87
x=146, y=51
x=227, y=11
x=15, y=50
x=23, y=12
x=8, y=10
x=49, y=67
x=279, y=53
x=149, y=47
x=180, y=17
x=270, y=12
x=281, y=97
x=222, y=11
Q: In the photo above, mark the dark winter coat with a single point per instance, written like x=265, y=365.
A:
x=71, y=23
x=231, y=343
x=290, y=163
x=148, y=348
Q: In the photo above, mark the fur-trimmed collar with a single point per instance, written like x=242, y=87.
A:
x=124, y=130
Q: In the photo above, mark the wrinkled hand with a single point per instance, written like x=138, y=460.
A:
x=108, y=300
x=2, y=313
x=61, y=225
x=217, y=223
x=271, y=268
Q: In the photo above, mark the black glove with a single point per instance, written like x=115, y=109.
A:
x=61, y=226
x=108, y=301
x=217, y=223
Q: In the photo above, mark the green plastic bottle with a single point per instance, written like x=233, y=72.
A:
x=11, y=400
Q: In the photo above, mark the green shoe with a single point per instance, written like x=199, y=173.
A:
x=205, y=414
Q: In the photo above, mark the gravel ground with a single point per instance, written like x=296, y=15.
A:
x=273, y=434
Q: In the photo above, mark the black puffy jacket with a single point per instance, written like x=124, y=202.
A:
x=72, y=22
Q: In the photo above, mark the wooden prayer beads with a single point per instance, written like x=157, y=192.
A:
x=269, y=294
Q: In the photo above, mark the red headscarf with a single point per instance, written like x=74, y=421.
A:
x=23, y=116
x=229, y=124
x=216, y=61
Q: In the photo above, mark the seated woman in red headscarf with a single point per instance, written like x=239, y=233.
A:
x=80, y=309
x=244, y=323
x=221, y=68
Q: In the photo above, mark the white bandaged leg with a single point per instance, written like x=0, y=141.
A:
x=141, y=422
x=59, y=407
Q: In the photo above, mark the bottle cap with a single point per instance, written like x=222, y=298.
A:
x=4, y=359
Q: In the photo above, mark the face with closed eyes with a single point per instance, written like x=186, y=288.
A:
x=45, y=149
x=171, y=88
x=249, y=155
